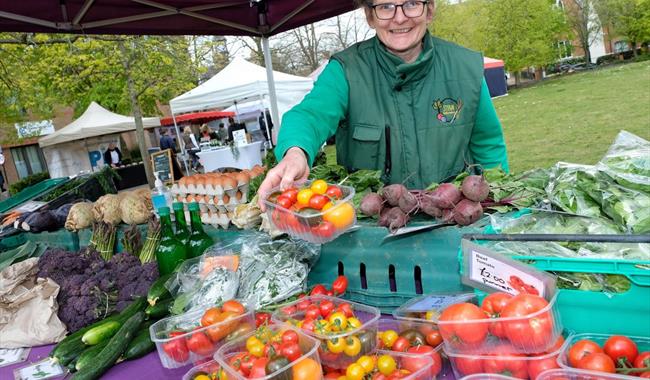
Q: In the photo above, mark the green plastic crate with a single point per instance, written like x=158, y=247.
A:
x=30, y=193
x=62, y=238
x=12, y=242
x=386, y=274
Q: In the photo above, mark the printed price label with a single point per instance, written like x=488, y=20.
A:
x=45, y=369
x=9, y=356
x=438, y=302
x=488, y=270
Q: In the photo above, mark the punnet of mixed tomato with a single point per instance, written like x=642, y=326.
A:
x=526, y=323
x=575, y=374
x=346, y=330
x=196, y=335
x=210, y=370
x=627, y=357
x=504, y=360
x=271, y=352
x=413, y=338
x=317, y=212
x=385, y=365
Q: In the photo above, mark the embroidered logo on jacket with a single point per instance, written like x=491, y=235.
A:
x=447, y=109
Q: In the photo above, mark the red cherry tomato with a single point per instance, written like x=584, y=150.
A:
x=318, y=289
x=326, y=308
x=317, y=201
x=346, y=308
x=340, y=285
x=597, y=362
x=284, y=202
x=291, y=194
x=324, y=230
x=291, y=350
x=262, y=318
x=421, y=351
x=582, y=348
x=290, y=336
x=401, y=344
x=334, y=192
x=642, y=360
x=621, y=349
x=312, y=312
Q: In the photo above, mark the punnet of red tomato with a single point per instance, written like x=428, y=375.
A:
x=505, y=360
x=271, y=352
x=574, y=374
x=196, y=335
x=525, y=323
x=346, y=330
x=317, y=212
x=385, y=365
x=626, y=356
x=414, y=338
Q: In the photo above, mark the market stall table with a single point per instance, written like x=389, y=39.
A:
x=246, y=157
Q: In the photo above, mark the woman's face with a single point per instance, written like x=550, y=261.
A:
x=400, y=34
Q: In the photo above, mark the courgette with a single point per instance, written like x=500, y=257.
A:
x=89, y=355
x=72, y=346
x=100, y=333
x=159, y=310
x=158, y=291
x=141, y=344
x=113, y=350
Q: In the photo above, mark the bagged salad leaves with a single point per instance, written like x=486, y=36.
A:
x=628, y=162
x=566, y=189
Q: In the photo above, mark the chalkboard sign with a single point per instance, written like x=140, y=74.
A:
x=162, y=163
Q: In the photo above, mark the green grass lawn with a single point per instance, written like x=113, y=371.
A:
x=572, y=118
x=575, y=118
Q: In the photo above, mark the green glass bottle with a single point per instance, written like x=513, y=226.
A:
x=199, y=240
x=182, y=232
x=170, y=252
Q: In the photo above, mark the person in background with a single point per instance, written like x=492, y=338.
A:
x=404, y=102
x=191, y=146
x=262, y=122
x=232, y=127
x=113, y=156
x=222, y=133
x=167, y=142
x=205, y=133
x=269, y=124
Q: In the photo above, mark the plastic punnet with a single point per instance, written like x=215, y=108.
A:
x=486, y=376
x=308, y=345
x=209, y=368
x=304, y=226
x=422, y=373
x=575, y=374
x=367, y=332
x=549, y=315
x=430, y=305
x=189, y=324
x=643, y=344
x=502, y=361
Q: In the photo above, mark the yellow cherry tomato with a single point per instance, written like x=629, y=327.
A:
x=323, y=327
x=352, y=346
x=319, y=186
x=340, y=215
x=338, y=321
x=431, y=315
x=367, y=362
x=354, y=372
x=304, y=196
x=386, y=364
x=202, y=377
x=336, y=345
x=354, y=322
x=389, y=337
x=255, y=346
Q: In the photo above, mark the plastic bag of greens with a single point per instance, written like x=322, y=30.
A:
x=628, y=162
x=273, y=270
x=564, y=189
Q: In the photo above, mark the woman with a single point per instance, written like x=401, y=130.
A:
x=191, y=146
x=205, y=133
x=404, y=102
x=113, y=156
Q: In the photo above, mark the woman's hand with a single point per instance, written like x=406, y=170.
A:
x=293, y=167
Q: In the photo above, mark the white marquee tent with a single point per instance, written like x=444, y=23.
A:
x=70, y=150
x=242, y=82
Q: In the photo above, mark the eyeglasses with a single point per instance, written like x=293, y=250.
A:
x=411, y=9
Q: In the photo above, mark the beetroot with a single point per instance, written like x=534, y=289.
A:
x=408, y=203
x=428, y=207
x=396, y=219
x=447, y=215
x=393, y=193
x=371, y=204
x=446, y=196
x=467, y=212
x=475, y=188
x=383, y=217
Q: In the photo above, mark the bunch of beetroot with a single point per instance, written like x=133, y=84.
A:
x=394, y=205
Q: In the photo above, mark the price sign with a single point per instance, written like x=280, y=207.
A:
x=45, y=369
x=9, y=356
x=162, y=163
x=488, y=270
x=438, y=302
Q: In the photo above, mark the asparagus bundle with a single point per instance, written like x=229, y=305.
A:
x=148, y=251
x=103, y=239
x=132, y=240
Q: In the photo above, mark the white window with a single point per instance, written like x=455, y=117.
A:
x=620, y=46
x=564, y=49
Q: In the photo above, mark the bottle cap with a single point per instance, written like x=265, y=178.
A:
x=177, y=206
x=163, y=211
x=193, y=206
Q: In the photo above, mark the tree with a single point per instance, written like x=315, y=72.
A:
x=583, y=19
x=345, y=30
x=523, y=32
x=463, y=23
x=628, y=18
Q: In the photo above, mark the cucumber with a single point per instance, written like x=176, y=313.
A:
x=101, y=333
x=89, y=355
x=158, y=290
x=159, y=310
x=72, y=346
x=141, y=344
x=114, y=348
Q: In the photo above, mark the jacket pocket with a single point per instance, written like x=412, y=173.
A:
x=365, y=147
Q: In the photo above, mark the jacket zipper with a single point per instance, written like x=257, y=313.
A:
x=388, y=162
